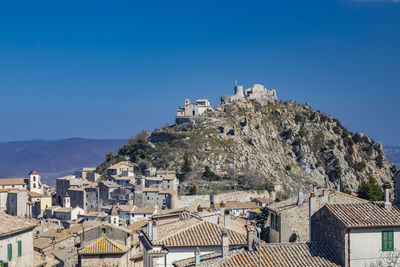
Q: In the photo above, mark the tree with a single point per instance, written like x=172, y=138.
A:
x=261, y=220
x=187, y=164
x=110, y=157
x=370, y=190
x=209, y=175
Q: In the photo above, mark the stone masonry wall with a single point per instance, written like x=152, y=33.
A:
x=204, y=200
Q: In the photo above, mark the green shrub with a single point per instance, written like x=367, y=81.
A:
x=379, y=161
x=209, y=175
x=370, y=190
x=359, y=166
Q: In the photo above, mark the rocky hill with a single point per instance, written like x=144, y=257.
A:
x=256, y=144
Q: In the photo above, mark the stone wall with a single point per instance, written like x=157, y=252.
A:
x=328, y=229
x=204, y=200
x=108, y=260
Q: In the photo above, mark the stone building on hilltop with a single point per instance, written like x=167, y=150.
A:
x=258, y=92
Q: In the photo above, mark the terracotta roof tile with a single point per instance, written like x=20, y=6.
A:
x=293, y=254
x=11, y=224
x=104, y=246
x=203, y=233
x=13, y=181
x=368, y=214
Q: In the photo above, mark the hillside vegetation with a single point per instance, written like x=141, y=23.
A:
x=253, y=145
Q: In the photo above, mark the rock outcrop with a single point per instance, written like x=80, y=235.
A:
x=283, y=141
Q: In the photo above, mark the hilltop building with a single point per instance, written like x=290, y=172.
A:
x=258, y=92
x=192, y=111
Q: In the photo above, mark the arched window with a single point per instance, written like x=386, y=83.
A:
x=34, y=178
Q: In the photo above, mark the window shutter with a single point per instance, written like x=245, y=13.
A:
x=19, y=248
x=9, y=252
x=387, y=241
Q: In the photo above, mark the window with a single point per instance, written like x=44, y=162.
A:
x=34, y=178
x=275, y=221
x=19, y=248
x=387, y=241
x=9, y=252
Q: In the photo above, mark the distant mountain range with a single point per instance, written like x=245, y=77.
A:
x=53, y=159
x=393, y=154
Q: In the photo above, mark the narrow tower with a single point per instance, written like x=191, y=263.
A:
x=66, y=201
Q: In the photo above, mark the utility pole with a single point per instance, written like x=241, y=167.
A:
x=259, y=246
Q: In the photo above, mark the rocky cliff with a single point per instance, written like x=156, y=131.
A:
x=282, y=141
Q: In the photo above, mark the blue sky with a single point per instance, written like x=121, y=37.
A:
x=107, y=69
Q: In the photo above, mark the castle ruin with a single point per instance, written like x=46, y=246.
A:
x=258, y=93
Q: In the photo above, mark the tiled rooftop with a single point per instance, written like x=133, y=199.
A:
x=282, y=255
x=368, y=214
x=11, y=224
x=13, y=181
x=103, y=246
x=293, y=254
x=203, y=233
x=149, y=209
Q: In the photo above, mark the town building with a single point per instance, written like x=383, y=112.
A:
x=175, y=237
x=88, y=174
x=105, y=245
x=123, y=168
x=237, y=208
x=16, y=241
x=32, y=183
x=360, y=234
x=289, y=220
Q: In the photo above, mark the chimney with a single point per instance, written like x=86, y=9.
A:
x=312, y=208
x=338, y=187
x=326, y=182
x=224, y=244
x=251, y=237
x=154, y=232
x=150, y=229
x=197, y=256
x=212, y=202
x=83, y=237
x=387, y=204
x=227, y=219
x=300, y=198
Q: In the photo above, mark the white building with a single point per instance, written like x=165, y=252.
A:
x=171, y=240
x=16, y=241
x=360, y=234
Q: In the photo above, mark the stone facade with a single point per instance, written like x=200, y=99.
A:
x=109, y=260
x=327, y=228
x=258, y=93
x=18, y=204
x=289, y=220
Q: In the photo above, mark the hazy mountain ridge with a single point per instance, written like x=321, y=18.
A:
x=393, y=154
x=53, y=159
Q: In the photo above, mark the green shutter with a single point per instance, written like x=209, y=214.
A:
x=9, y=252
x=387, y=241
x=19, y=248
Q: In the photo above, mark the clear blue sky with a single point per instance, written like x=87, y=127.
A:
x=106, y=69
